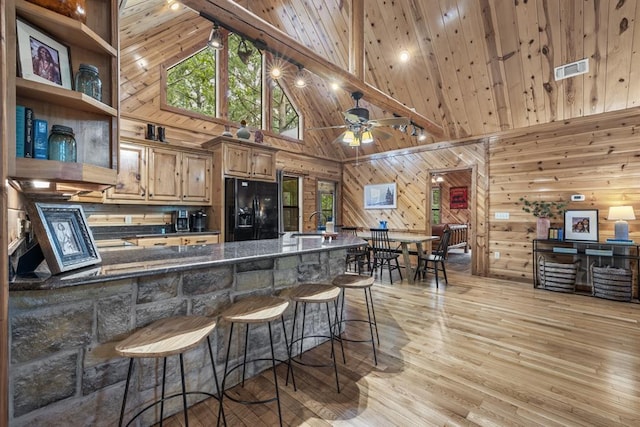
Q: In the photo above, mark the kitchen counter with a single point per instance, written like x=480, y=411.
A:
x=65, y=327
x=134, y=261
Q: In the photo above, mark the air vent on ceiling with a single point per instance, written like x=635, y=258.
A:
x=572, y=69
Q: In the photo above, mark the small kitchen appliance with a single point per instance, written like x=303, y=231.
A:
x=181, y=220
x=198, y=221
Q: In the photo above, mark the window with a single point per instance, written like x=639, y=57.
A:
x=290, y=203
x=326, y=200
x=191, y=84
x=284, y=118
x=435, y=205
x=244, y=99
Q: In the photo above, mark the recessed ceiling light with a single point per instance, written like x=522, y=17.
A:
x=404, y=55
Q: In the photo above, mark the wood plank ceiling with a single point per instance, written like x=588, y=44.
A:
x=477, y=67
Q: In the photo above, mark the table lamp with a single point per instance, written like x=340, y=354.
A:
x=621, y=214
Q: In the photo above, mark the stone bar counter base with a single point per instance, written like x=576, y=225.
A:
x=63, y=367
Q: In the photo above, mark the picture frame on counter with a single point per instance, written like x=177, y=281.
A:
x=41, y=58
x=64, y=236
x=581, y=225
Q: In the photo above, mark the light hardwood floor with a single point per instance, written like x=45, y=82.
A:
x=476, y=352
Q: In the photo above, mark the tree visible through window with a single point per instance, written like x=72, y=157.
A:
x=191, y=84
x=245, y=82
x=284, y=118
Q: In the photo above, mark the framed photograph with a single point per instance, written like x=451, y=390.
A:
x=380, y=196
x=41, y=58
x=458, y=198
x=64, y=236
x=581, y=225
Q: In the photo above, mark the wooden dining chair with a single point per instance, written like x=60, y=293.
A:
x=437, y=258
x=357, y=255
x=383, y=254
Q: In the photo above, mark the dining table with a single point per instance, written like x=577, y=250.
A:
x=405, y=239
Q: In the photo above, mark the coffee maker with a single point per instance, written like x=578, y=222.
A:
x=181, y=220
x=198, y=221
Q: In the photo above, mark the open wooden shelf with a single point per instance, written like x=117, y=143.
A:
x=64, y=28
x=52, y=170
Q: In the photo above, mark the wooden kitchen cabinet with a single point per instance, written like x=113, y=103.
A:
x=202, y=239
x=156, y=175
x=171, y=240
x=245, y=159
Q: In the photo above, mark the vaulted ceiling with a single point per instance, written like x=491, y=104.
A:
x=477, y=67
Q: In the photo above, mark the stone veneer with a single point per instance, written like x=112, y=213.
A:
x=63, y=367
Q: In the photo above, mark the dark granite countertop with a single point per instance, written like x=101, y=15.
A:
x=136, y=261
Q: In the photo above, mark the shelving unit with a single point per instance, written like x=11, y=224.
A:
x=602, y=254
x=95, y=123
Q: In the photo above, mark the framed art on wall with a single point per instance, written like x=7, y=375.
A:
x=380, y=196
x=581, y=225
x=64, y=236
x=458, y=198
x=41, y=58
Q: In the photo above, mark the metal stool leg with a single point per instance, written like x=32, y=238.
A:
x=289, y=364
x=333, y=353
x=126, y=391
x=275, y=376
x=184, y=393
x=244, y=361
x=215, y=378
x=373, y=342
x=164, y=376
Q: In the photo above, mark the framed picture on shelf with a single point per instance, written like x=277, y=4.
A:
x=380, y=196
x=64, y=236
x=41, y=58
x=581, y=225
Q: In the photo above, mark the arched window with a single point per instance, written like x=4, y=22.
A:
x=191, y=83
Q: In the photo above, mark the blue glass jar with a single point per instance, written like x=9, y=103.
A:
x=62, y=144
x=88, y=81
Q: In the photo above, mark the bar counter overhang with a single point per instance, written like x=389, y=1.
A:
x=63, y=328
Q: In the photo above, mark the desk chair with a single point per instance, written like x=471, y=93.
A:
x=382, y=253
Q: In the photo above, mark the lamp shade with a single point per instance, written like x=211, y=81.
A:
x=621, y=213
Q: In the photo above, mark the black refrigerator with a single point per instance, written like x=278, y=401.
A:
x=251, y=210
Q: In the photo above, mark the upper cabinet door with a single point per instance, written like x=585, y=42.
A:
x=237, y=160
x=164, y=174
x=196, y=176
x=132, y=173
x=264, y=165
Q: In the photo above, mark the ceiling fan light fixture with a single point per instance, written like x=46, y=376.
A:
x=367, y=137
x=215, y=38
x=348, y=136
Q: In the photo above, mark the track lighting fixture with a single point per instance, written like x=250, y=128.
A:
x=300, y=80
x=276, y=72
x=215, y=38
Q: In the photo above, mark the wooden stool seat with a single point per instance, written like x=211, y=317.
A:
x=167, y=337
x=161, y=339
x=312, y=293
x=358, y=281
x=353, y=281
x=248, y=311
x=258, y=309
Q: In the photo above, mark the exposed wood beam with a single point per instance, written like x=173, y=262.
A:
x=356, y=39
x=236, y=18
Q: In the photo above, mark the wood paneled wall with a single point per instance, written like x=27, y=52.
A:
x=411, y=172
x=597, y=157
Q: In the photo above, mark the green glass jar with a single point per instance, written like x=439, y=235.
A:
x=88, y=81
x=62, y=144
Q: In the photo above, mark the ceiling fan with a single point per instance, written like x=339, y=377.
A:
x=361, y=130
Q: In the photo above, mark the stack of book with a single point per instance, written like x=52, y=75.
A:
x=31, y=134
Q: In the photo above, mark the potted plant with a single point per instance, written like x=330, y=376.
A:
x=544, y=211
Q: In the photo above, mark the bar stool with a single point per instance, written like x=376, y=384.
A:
x=318, y=294
x=163, y=338
x=256, y=310
x=357, y=281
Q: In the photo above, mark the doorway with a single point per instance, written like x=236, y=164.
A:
x=451, y=203
x=291, y=190
x=326, y=202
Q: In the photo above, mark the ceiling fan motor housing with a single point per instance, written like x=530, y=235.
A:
x=360, y=112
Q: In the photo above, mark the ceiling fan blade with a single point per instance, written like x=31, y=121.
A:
x=391, y=121
x=380, y=134
x=328, y=127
